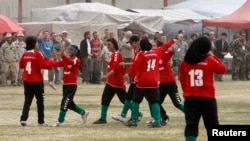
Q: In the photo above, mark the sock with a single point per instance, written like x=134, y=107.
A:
x=156, y=112
x=62, y=115
x=79, y=110
x=104, y=109
x=126, y=106
x=190, y=138
x=135, y=111
x=181, y=107
x=150, y=109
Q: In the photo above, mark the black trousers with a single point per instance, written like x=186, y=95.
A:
x=110, y=91
x=151, y=94
x=170, y=89
x=68, y=96
x=30, y=90
x=130, y=93
x=195, y=107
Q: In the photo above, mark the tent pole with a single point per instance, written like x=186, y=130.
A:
x=20, y=16
x=217, y=31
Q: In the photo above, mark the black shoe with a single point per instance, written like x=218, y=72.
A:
x=164, y=122
x=139, y=117
x=155, y=125
x=131, y=123
x=100, y=121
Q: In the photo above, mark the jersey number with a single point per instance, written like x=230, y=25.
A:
x=196, y=77
x=151, y=64
x=28, y=67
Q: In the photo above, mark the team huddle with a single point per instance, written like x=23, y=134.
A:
x=150, y=75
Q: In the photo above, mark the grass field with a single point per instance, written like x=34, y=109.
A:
x=233, y=105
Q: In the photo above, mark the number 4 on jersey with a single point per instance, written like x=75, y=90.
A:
x=196, y=77
x=28, y=67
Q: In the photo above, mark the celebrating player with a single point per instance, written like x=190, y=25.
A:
x=70, y=66
x=32, y=62
x=146, y=68
x=114, y=80
x=196, y=77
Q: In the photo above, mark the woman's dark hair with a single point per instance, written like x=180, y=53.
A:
x=114, y=42
x=85, y=34
x=76, y=48
x=30, y=42
x=145, y=45
x=198, y=50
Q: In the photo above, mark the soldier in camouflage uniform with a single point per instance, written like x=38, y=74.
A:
x=239, y=49
x=9, y=59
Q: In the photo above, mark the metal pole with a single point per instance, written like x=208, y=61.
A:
x=113, y=2
x=20, y=15
x=67, y=1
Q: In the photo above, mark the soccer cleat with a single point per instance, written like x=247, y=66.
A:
x=154, y=125
x=164, y=122
x=119, y=118
x=140, y=117
x=57, y=124
x=100, y=121
x=151, y=120
x=42, y=124
x=84, y=117
x=52, y=85
x=23, y=123
x=131, y=123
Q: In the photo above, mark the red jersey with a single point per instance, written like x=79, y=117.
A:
x=70, y=69
x=32, y=62
x=198, y=79
x=165, y=70
x=146, y=66
x=132, y=80
x=116, y=79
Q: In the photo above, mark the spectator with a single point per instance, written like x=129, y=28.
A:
x=47, y=48
x=20, y=47
x=9, y=59
x=85, y=55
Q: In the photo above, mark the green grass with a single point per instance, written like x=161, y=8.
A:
x=232, y=98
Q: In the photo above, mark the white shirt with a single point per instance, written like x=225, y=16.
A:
x=89, y=47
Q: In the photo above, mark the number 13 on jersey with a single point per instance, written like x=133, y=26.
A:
x=196, y=77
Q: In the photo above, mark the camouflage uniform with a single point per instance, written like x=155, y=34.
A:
x=20, y=48
x=180, y=50
x=9, y=59
x=239, y=49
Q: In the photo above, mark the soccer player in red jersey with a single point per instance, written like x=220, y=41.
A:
x=114, y=80
x=71, y=67
x=146, y=69
x=135, y=44
x=32, y=62
x=168, y=85
x=196, y=77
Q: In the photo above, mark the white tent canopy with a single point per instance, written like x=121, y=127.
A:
x=210, y=8
x=173, y=15
x=100, y=13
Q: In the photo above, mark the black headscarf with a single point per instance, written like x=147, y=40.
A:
x=198, y=50
x=145, y=45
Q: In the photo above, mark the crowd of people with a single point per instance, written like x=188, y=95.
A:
x=150, y=66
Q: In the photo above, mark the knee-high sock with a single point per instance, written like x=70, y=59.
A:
x=104, y=110
x=62, y=115
x=126, y=106
x=156, y=112
x=135, y=111
x=150, y=109
x=190, y=138
x=79, y=110
x=181, y=107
